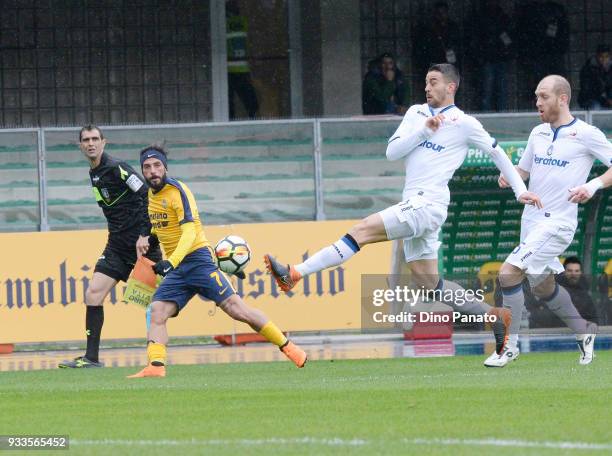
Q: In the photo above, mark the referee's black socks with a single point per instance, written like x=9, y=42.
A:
x=94, y=319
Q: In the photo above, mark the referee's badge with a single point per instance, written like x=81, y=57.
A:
x=549, y=152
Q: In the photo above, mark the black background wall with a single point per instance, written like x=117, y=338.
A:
x=66, y=62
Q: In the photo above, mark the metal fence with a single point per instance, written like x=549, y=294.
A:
x=262, y=171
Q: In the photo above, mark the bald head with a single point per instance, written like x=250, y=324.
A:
x=553, y=96
x=557, y=85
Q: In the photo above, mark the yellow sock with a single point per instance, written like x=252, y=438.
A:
x=156, y=353
x=271, y=332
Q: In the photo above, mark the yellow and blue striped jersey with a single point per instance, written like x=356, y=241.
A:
x=169, y=209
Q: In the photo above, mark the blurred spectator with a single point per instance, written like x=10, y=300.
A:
x=238, y=70
x=543, y=34
x=438, y=41
x=384, y=89
x=596, y=81
x=492, y=47
x=577, y=285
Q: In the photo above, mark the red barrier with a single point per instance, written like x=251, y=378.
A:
x=6, y=349
x=240, y=339
x=431, y=329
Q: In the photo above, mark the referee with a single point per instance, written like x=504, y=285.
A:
x=122, y=195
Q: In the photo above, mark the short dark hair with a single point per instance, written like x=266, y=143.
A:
x=90, y=127
x=572, y=259
x=450, y=73
x=602, y=48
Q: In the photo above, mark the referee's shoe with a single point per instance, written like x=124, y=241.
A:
x=80, y=363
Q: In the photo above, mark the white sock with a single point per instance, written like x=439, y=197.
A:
x=330, y=256
x=471, y=305
x=513, y=340
x=514, y=299
x=560, y=303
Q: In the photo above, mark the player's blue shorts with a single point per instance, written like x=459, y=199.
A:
x=196, y=274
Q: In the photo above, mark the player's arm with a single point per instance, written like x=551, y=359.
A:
x=182, y=207
x=512, y=176
x=503, y=183
x=601, y=148
x=409, y=135
x=524, y=164
x=188, y=235
x=478, y=137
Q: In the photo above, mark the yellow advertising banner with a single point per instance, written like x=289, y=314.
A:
x=43, y=278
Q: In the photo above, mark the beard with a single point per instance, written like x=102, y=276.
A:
x=156, y=187
x=551, y=114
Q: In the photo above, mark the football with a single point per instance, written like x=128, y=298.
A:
x=233, y=254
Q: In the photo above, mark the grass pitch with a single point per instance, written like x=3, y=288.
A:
x=542, y=404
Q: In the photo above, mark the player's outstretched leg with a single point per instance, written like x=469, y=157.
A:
x=235, y=307
x=158, y=339
x=367, y=231
x=286, y=276
x=559, y=301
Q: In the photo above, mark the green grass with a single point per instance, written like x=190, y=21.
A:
x=369, y=406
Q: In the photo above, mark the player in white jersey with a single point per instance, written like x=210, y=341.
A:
x=557, y=161
x=433, y=140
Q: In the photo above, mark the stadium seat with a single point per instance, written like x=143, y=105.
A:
x=487, y=276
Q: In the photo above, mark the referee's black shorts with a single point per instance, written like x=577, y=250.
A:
x=117, y=260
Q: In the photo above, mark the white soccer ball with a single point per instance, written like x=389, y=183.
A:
x=233, y=254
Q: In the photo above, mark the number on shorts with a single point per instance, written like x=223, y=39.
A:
x=215, y=275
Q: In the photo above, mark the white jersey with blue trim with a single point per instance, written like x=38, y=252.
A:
x=558, y=160
x=431, y=158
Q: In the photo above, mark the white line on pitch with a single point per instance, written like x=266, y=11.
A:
x=513, y=443
x=351, y=442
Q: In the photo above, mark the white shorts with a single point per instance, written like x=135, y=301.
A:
x=417, y=221
x=541, y=244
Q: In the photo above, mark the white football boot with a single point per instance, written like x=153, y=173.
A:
x=508, y=354
x=586, y=345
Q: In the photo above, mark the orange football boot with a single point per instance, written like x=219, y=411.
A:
x=150, y=371
x=294, y=353
x=286, y=276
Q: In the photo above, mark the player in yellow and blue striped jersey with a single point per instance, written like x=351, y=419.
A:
x=189, y=267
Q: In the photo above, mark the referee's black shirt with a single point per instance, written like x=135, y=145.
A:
x=122, y=195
